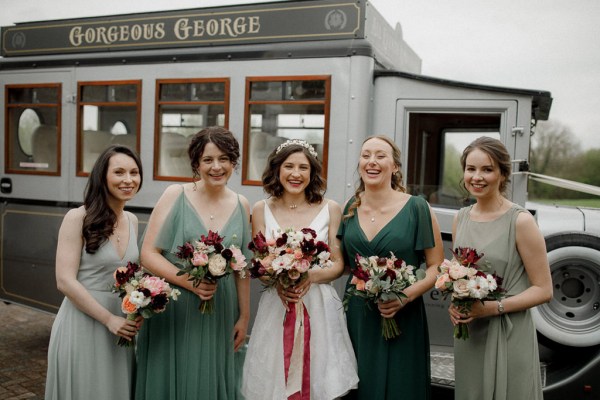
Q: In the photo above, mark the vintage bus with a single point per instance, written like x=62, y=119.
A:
x=328, y=71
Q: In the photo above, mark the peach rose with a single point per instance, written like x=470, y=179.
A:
x=127, y=306
x=359, y=283
x=441, y=281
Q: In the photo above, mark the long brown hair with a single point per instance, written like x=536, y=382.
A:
x=396, y=181
x=99, y=221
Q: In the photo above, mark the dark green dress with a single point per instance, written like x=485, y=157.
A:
x=182, y=353
x=397, y=368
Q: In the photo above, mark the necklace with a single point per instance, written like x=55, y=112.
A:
x=293, y=206
x=211, y=217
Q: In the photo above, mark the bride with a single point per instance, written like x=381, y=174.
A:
x=292, y=179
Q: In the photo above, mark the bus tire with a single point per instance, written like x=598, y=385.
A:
x=572, y=317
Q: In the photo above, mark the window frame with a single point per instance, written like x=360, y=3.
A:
x=80, y=104
x=7, y=137
x=326, y=103
x=158, y=124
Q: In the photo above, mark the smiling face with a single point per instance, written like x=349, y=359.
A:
x=376, y=165
x=482, y=176
x=123, y=177
x=294, y=173
x=215, y=166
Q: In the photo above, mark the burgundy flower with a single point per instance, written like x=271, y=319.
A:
x=258, y=244
x=398, y=263
x=322, y=246
x=360, y=273
x=311, y=231
x=159, y=302
x=467, y=256
x=186, y=251
x=257, y=270
x=213, y=239
x=281, y=240
x=308, y=246
x=227, y=254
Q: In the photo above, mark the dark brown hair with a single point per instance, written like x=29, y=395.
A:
x=496, y=151
x=396, y=181
x=99, y=221
x=220, y=137
x=314, y=191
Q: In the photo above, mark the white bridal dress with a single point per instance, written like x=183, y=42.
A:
x=332, y=360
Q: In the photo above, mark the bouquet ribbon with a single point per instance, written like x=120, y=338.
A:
x=296, y=352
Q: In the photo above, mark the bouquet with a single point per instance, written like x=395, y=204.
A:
x=286, y=261
x=142, y=294
x=467, y=282
x=287, y=258
x=382, y=279
x=208, y=259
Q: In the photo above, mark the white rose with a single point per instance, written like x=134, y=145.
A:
x=139, y=299
x=461, y=289
x=217, y=265
x=478, y=287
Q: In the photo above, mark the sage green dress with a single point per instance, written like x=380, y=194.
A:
x=398, y=368
x=84, y=360
x=182, y=353
x=500, y=360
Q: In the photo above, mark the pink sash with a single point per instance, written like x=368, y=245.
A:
x=296, y=352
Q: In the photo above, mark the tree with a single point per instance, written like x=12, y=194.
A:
x=555, y=151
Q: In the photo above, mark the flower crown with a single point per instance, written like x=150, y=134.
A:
x=298, y=142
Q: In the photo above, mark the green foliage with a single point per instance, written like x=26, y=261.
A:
x=557, y=152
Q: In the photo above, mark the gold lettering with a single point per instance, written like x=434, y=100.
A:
x=212, y=27
x=182, y=29
x=254, y=24
x=239, y=26
x=136, y=32
x=75, y=36
x=198, y=28
x=160, y=30
x=124, y=33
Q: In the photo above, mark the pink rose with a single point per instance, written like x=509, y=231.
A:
x=302, y=265
x=294, y=274
x=359, y=283
x=298, y=254
x=441, y=281
x=200, y=259
x=154, y=284
x=457, y=271
x=461, y=289
x=238, y=260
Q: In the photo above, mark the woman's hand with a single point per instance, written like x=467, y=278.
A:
x=389, y=308
x=478, y=310
x=240, y=330
x=122, y=327
x=293, y=294
x=205, y=290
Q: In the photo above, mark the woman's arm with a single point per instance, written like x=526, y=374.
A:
x=242, y=286
x=532, y=249
x=68, y=257
x=326, y=275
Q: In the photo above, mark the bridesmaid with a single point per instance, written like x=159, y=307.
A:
x=500, y=360
x=292, y=179
x=182, y=353
x=84, y=361
x=379, y=219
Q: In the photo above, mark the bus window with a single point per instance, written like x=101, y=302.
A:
x=436, y=142
x=32, y=135
x=185, y=107
x=108, y=113
x=283, y=108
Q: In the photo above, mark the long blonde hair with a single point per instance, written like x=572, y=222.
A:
x=396, y=181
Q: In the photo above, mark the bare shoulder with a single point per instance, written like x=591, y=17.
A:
x=333, y=206
x=75, y=215
x=245, y=202
x=526, y=221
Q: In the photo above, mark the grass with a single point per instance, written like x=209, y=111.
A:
x=588, y=203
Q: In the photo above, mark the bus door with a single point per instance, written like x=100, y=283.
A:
x=432, y=134
x=34, y=182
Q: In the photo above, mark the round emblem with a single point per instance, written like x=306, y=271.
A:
x=335, y=20
x=18, y=40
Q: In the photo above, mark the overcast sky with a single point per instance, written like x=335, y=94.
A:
x=549, y=45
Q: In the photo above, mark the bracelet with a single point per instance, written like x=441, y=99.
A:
x=500, y=307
